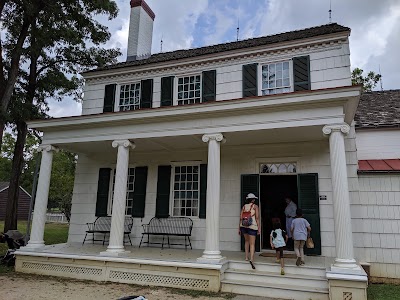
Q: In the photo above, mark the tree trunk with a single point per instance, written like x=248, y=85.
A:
x=2, y=126
x=13, y=190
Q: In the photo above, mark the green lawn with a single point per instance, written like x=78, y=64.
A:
x=383, y=292
x=53, y=234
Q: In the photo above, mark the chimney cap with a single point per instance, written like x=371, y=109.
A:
x=145, y=6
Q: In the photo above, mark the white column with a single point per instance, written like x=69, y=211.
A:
x=42, y=196
x=212, y=254
x=341, y=200
x=116, y=244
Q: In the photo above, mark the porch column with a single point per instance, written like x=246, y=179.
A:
x=116, y=244
x=341, y=200
x=42, y=196
x=211, y=253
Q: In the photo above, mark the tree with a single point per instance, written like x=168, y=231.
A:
x=63, y=41
x=368, y=82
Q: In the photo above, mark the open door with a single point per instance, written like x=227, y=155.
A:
x=250, y=184
x=309, y=202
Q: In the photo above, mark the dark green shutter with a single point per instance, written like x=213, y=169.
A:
x=167, y=91
x=250, y=78
x=109, y=97
x=102, y=192
x=249, y=184
x=146, y=97
x=301, y=73
x=307, y=185
x=203, y=191
x=139, y=193
x=209, y=85
x=163, y=191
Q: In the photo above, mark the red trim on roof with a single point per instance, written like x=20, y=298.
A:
x=145, y=6
x=379, y=165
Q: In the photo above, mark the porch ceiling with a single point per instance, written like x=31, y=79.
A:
x=193, y=142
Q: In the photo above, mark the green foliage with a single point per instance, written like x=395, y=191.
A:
x=368, y=82
x=383, y=292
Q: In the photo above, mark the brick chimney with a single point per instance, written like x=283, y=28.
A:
x=140, y=30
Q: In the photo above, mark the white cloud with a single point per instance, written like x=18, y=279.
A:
x=65, y=108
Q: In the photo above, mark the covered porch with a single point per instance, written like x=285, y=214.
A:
x=232, y=138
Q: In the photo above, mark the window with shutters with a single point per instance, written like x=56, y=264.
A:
x=186, y=190
x=129, y=96
x=189, y=89
x=129, y=192
x=276, y=78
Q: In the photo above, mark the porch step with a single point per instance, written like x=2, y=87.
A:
x=282, y=291
x=305, y=282
x=274, y=278
x=275, y=268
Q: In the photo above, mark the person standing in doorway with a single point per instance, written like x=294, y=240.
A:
x=290, y=213
x=300, y=231
x=249, y=226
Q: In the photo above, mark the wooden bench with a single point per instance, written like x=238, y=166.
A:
x=102, y=225
x=166, y=227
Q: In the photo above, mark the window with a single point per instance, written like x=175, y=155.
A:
x=129, y=192
x=186, y=191
x=275, y=78
x=278, y=168
x=189, y=89
x=129, y=96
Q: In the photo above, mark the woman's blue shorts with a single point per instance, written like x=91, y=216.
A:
x=245, y=230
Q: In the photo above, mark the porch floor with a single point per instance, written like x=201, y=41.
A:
x=171, y=254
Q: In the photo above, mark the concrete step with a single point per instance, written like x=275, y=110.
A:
x=282, y=291
x=273, y=278
x=275, y=268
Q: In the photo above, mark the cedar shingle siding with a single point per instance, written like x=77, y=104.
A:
x=23, y=202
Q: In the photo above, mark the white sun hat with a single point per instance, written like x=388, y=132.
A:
x=251, y=196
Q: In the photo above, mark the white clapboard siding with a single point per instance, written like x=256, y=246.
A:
x=378, y=144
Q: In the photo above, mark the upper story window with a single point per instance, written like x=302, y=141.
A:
x=186, y=190
x=129, y=96
x=189, y=89
x=275, y=78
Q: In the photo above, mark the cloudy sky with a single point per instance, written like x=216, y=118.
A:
x=182, y=24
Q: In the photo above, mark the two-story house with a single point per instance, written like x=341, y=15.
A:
x=190, y=133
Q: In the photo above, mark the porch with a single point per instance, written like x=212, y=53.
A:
x=181, y=269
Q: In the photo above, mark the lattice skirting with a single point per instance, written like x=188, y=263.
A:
x=186, y=278
x=159, y=280
x=62, y=269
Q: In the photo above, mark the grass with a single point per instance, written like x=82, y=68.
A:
x=196, y=294
x=53, y=234
x=383, y=292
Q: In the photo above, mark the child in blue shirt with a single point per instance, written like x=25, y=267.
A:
x=278, y=239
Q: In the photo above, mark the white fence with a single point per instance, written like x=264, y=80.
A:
x=56, y=218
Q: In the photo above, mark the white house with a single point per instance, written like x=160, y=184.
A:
x=190, y=133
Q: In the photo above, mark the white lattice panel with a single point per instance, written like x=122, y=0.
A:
x=62, y=269
x=160, y=280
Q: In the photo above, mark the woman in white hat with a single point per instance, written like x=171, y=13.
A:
x=249, y=226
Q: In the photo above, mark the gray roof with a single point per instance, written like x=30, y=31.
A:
x=254, y=42
x=378, y=109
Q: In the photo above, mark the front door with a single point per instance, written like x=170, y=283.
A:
x=308, y=200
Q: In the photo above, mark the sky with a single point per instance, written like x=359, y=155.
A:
x=183, y=24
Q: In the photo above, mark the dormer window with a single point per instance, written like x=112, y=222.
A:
x=189, y=89
x=129, y=96
x=275, y=78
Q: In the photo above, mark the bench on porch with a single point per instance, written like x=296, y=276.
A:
x=166, y=227
x=102, y=225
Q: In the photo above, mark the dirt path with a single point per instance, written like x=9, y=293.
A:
x=16, y=287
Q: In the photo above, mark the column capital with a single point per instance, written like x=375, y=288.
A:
x=343, y=128
x=47, y=148
x=214, y=136
x=124, y=143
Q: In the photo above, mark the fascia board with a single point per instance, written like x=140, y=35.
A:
x=180, y=112
x=232, y=54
